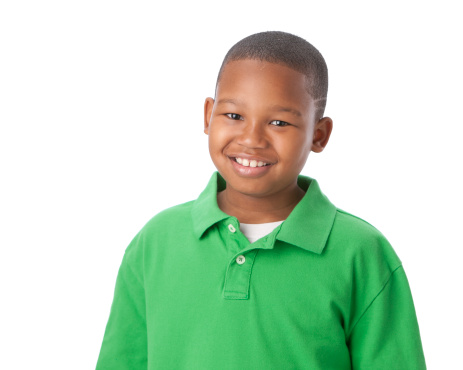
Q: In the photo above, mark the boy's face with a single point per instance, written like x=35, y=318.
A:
x=262, y=127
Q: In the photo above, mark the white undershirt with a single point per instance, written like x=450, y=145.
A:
x=256, y=231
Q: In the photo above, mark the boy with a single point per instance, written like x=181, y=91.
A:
x=262, y=271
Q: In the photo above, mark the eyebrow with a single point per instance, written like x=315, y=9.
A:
x=230, y=101
x=275, y=108
x=279, y=108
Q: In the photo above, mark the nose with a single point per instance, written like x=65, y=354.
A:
x=252, y=136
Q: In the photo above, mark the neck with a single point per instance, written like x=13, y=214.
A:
x=253, y=210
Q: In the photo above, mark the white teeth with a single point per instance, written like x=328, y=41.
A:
x=250, y=163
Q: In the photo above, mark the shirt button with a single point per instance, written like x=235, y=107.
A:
x=240, y=259
x=231, y=228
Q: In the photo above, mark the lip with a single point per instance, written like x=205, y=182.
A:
x=250, y=171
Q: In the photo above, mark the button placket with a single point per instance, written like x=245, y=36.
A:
x=233, y=239
x=237, y=280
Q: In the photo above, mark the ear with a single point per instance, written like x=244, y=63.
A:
x=208, y=106
x=322, y=133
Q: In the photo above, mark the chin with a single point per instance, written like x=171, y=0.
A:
x=252, y=191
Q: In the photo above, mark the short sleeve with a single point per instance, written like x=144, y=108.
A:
x=387, y=335
x=125, y=339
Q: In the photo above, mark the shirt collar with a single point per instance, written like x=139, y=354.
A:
x=308, y=226
x=205, y=210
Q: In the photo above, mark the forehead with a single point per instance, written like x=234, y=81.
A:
x=273, y=83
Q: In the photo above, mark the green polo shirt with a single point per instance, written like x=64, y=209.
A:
x=324, y=290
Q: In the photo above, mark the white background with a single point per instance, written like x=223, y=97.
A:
x=101, y=112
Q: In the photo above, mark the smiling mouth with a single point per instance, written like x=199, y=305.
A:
x=251, y=162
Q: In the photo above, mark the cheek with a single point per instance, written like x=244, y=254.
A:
x=219, y=136
x=295, y=148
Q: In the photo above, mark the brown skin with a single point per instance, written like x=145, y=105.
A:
x=262, y=111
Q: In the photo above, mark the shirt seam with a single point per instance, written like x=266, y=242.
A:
x=373, y=300
x=356, y=217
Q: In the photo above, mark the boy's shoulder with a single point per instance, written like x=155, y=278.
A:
x=361, y=240
x=174, y=213
x=167, y=224
x=175, y=216
x=352, y=225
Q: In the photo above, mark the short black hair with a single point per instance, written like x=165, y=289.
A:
x=289, y=50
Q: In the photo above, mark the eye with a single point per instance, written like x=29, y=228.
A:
x=233, y=116
x=279, y=123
